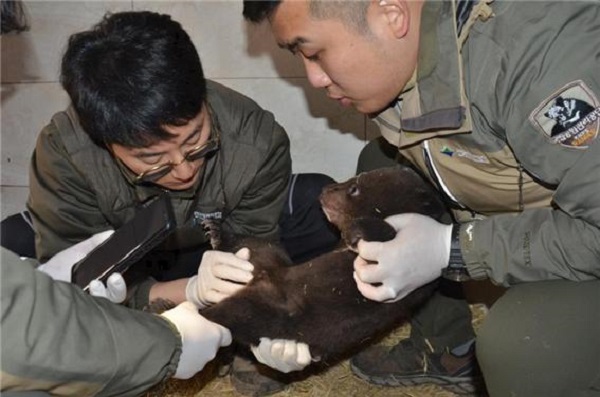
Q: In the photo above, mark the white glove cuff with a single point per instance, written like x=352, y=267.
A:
x=191, y=293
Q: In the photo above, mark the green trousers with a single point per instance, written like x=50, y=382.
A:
x=539, y=339
x=543, y=339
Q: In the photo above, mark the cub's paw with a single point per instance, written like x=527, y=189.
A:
x=368, y=229
x=159, y=306
x=212, y=228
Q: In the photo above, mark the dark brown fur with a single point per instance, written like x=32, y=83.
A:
x=318, y=302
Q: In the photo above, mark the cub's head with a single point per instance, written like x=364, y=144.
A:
x=379, y=194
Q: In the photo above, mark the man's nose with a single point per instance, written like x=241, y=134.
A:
x=184, y=170
x=316, y=75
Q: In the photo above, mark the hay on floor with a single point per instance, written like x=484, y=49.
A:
x=338, y=381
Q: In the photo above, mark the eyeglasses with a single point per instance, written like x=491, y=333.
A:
x=155, y=173
x=203, y=150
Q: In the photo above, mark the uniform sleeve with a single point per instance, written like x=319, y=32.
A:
x=259, y=209
x=57, y=338
x=549, y=93
x=541, y=244
x=63, y=207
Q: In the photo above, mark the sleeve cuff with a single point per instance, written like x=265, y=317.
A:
x=140, y=295
x=477, y=269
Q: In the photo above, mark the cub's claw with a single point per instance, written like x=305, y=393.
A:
x=212, y=228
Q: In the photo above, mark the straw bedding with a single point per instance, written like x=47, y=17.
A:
x=337, y=381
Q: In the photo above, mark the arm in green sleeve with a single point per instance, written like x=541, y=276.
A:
x=559, y=242
x=57, y=338
x=260, y=207
x=540, y=244
x=63, y=207
x=562, y=241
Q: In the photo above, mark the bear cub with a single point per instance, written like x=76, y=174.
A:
x=317, y=302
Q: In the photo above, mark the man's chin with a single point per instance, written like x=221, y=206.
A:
x=178, y=186
x=372, y=110
x=367, y=108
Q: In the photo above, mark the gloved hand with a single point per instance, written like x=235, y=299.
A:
x=415, y=257
x=60, y=265
x=200, y=339
x=115, y=289
x=282, y=355
x=220, y=275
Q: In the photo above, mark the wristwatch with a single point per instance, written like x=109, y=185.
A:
x=456, y=270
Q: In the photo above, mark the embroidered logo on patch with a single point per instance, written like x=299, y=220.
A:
x=202, y=216
x=570, y=117
x=447, y=151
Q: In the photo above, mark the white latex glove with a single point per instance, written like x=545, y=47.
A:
x=200, y=339
x=115, y=289
x=282, y=355
x=415, y=257
x=220, y=275
x=59, y=266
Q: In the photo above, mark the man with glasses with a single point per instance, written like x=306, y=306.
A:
x=37, y=312
x=144, y=120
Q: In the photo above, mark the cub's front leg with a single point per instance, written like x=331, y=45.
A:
x=368, y=229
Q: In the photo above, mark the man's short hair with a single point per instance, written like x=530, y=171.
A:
x=12, y=15
x=131, y=75
x=352, y=13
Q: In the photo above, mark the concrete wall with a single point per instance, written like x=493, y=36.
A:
x=325, y=137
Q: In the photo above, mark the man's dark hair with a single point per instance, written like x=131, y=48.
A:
x=13, y=18
x=352, y=13
x=259, y=10
x=130, y=76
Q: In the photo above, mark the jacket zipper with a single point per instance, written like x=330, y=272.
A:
x=438, y=179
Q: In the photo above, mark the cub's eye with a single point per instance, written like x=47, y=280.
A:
x=353, y=190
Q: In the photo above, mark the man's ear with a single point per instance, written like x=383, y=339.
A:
x=396, y=15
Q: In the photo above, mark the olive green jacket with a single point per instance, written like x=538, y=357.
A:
x=77, y=188
x=58, y=339
x=481, y=119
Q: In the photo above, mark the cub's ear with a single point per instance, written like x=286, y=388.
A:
x=368, y=229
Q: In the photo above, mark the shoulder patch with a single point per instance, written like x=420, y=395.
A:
x=570, y=116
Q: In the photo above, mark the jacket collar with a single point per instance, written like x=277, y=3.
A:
x=434, y=103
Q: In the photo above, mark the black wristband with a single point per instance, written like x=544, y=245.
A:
x=456, y=270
